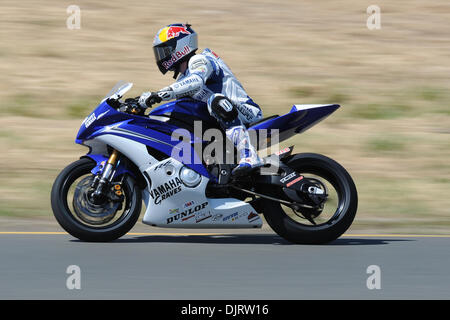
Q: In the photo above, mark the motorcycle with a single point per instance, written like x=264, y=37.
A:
x=133, y=157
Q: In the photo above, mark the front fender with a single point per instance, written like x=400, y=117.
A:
x=101, y=160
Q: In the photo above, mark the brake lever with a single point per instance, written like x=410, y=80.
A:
x=132, y=106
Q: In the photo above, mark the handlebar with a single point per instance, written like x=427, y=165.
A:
x=131, y=105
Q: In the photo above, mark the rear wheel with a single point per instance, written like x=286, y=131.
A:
x=332, y=184
x=88, y=221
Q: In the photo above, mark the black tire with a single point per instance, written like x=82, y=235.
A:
x=299, y=233
x=82, y=231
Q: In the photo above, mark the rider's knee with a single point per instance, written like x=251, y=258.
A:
x=221, y=108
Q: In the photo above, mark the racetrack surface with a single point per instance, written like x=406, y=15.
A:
x=199, y=265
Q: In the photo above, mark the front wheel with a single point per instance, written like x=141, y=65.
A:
x=88, y=221
x=336, y=213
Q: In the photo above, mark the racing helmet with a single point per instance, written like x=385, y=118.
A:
x=174, y=44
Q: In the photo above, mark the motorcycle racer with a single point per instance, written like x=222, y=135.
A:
x=207, y=78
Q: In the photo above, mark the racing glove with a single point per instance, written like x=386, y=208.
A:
x=147, y=99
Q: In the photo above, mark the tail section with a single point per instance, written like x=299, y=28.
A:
x=299, y=119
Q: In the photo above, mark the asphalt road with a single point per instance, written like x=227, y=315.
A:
x=257, y=265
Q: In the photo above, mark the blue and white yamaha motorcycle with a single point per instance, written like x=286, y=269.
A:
x=133, y=157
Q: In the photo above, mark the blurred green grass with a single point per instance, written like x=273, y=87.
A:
x=386, y=144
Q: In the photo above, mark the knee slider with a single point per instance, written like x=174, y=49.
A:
x=222, y=108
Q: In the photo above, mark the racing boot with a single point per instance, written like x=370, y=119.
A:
x=249, y=159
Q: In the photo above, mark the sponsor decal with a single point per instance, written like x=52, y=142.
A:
x=89, y=120
x=186, y=82
x=202, y=216
x=172, y=211
x=176, y=56
x=278, y=153
x=187, y=214
x=245, y=111
x=184, y=219
x=252, y=217
x=288, y=177
x=162, y=165
x=232, y=216
x=242, y=214
x=188, y=204
x=168, y=33
x=294, y=181
x=188, y=93
x=202, y=94
x=200, y=70
x=166, y=190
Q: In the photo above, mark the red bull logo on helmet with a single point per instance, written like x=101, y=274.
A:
x=176, y=56
x=171, y=32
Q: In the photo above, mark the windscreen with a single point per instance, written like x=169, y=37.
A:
x=121, y=86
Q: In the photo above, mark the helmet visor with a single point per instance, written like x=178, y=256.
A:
x=164, y=51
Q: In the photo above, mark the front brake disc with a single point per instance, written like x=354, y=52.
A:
x=86, y=210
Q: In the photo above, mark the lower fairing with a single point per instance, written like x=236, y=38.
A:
x=172, y=204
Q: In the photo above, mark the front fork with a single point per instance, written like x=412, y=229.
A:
x=101, y=182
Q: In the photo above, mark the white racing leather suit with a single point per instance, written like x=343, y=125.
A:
x=210, y=80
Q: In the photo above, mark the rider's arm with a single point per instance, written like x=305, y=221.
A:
x=200, y=69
